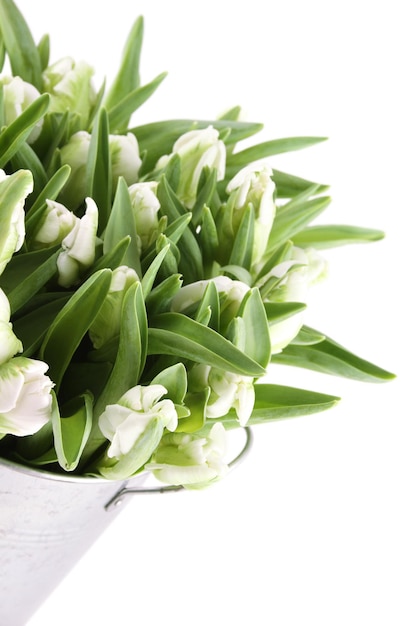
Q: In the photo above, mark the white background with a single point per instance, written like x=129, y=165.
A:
x=319, y=525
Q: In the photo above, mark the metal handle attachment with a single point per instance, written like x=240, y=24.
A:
x=126, y=491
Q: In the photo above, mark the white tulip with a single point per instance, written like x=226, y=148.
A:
x=106, y=324
x=9, y=343
x=145, y=206
x=14, y=190
x=125, y=159
x=296, y=275
x=124, y=423
x=253, y=185
x=227, y=391
x=197, y=149
x=78, y=252
x=25, y=396
x=190, y=460
x=56, y=224
x=70, y=86
x=17, y=96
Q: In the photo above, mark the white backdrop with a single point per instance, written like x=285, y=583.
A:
x=318, y=526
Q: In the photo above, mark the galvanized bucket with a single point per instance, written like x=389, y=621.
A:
x=48, y=521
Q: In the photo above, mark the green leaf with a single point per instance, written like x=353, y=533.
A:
x=44, y=50
x=27, y=159
x=114, y=257
x=32, y=327
x=307, y=337
x=205, y=194
x=26, y=274
x=127, y=78
x=257, y=340
x=329, y=357
x=270, y=148
x=241, y=253
x=175, y=381
x=49, y=192
x=119, y=115
x=279, y=311
x=150, y=274
x=159, y=299
x=291, y=218
x=158, y=138
x=98, y=169
x=196, y=403
x=71, y=430
x=24, y=56
x=211, y=302
x=191, y=263
x=121, y=224
x=289, y=186
x=131, y=352
x=330, y=236
x=72, y=322
x=208, y=238
x=176, y=334
x=12, y=138
x=276, y=402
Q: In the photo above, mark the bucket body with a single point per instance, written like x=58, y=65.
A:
x=47, y=522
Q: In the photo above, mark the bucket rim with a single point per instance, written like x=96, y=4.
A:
x=45, y=475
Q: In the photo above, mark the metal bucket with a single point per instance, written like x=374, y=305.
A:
x=47, y=522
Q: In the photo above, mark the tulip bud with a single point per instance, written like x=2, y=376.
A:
x=125, y=161
x=56, y=224
x=70, y=86
x=145, y=206
x=197, y=149
x=17, y=96
x=75, y=154
x=79, y=247
x=296, y=275
x=231, y=294
x=25, y=396
x=13, y=191
x=124, y=423
x=190, y=460
x=9, y=343
x=227, y=391
x=253, y=186
x=106, y=325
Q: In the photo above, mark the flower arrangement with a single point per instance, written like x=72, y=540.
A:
x=148, y=275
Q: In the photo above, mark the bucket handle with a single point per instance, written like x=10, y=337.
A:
x=126, y=491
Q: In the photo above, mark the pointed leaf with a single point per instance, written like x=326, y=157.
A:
x=176, y=334
x=121, y=224
x=271, y=148
x=72, y=322
x=120, y=114
x=127, y=78
x=175, y=381
x=329, y=357
x=330, y=236
x=26, y=274
x=24, y=56
x=257, y=340
x=98, y=169
x=289, y=220
x=71, y=430
x=289, y=186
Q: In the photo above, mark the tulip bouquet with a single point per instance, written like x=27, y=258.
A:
x=148, y=274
